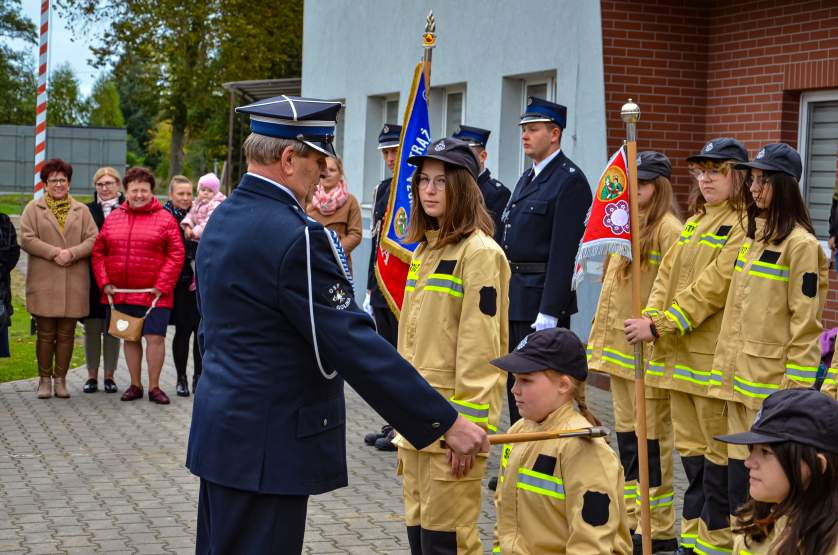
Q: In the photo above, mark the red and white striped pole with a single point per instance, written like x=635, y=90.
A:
x=41, y=103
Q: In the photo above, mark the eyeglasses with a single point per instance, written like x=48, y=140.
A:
x=709, y=175
x=57, y=181
x=106, y=184
x=439, y=182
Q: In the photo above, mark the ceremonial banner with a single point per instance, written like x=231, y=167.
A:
x=394, y=253
x=607, y=228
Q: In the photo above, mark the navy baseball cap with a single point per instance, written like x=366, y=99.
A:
x=474, y=136
x=721, y=149
x=556, y=349
x=390, y=136
x=651, y=164
x=804, y=416
x=308, y=120
x=777, y=157
x=539, y=109
x=451, y=151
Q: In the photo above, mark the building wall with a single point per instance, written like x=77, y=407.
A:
x=717, y=68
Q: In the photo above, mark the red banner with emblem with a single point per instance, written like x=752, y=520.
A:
x=607, y=229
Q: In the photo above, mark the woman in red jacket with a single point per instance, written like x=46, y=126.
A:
x=139, y=247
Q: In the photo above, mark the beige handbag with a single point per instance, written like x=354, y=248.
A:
x=124, y=326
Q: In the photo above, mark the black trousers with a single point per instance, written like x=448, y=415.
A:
x=247, y=523
x=517, y=332
x=386, y=324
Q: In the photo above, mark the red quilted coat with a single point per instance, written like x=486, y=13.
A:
x=139, y=248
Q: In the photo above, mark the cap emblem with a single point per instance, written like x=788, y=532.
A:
x=523, y=343
x=639, y=161
x=386, y=129
x=761, y=154
x=708, y=147
x=529, y=101
x=758, y=417
x=440, y=147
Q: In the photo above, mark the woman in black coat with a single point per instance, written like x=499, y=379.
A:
x=97, y=343
x=9, y=255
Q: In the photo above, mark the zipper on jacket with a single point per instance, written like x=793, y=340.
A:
x=128, y=251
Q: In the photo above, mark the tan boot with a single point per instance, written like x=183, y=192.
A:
x=45, y=387
x=61, y=388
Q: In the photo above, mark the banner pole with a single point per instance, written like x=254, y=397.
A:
x=428, y=44
x=41, y=102
x=630, y=113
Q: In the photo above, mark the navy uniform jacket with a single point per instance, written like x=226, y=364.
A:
x=265, y=419
x=379, y=207
x=543, y=223
x=495, y=195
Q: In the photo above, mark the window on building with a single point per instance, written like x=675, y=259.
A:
x=381, y=109
x=391, y=115
x=454, y=109
x=819, y=148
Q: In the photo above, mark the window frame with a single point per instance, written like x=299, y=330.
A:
x=808, y=98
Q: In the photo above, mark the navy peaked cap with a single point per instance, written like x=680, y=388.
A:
x=390, y=136
x=474, y=136
x=309, y=120
x=777, y=157
x=539, y=109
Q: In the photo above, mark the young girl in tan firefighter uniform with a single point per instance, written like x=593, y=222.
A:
x=609, y=352
x=453, y=322
x=562, y=495
x=771, y=324
x=683, y=316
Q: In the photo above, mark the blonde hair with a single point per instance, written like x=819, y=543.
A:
x=579, y=396
x=106, y=170
x=739, y=195
x=178, y=180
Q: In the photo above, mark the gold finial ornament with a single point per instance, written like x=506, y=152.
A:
x=429, y=36
x=630, y=112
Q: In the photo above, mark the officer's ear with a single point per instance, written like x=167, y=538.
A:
x=555, y=134
x=285, y=159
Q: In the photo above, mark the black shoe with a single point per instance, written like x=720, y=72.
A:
x=110, y=386
x=386, y=443
x=91, y=386
x=493, y=483
x=372, y=437
x=658, y=546
x=182, y=389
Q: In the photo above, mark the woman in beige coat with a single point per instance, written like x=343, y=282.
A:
x=58, y=233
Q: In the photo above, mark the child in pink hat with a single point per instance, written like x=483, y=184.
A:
x=209, y=197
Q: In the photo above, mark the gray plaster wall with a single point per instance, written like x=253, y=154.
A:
x=361, y=51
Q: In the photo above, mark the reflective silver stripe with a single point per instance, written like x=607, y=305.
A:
x=655, y=368
x=542, y=484
x=704, y=548
x=660, y=501
x=675, y=313
x=699, y=377
x=740, y=264
x=802, y=373
x=654, y=257
x=471, y=412
x=410, y=283
x=753, y=389
x=771, y=271
x=715, y=241
x=446, y=284
x=618, y=358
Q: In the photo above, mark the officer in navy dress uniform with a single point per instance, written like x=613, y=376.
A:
x=542, y=226
x=495, y=194
x=375, y=304
x=280, y=332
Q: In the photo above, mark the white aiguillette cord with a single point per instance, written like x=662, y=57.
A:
x=326, y=375
x=153, y=303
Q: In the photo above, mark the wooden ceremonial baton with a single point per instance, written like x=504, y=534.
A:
x=630, y=113
x=521, y=437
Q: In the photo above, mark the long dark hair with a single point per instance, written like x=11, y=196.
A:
x=811, y=505
x=465, y=209
x=787, y=209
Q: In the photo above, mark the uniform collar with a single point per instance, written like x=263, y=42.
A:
x=280, y=186
x=431, y=236
x=536, y=168
x=555, y=418
x=718, y=207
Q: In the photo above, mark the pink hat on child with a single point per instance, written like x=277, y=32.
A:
x=209, y=181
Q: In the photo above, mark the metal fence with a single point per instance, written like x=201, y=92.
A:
x=86, y=148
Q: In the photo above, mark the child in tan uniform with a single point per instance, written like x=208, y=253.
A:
x=563, y=495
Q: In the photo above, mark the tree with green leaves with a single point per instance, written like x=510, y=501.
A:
x=103, y=105
x=67, y=106
x=17, y=76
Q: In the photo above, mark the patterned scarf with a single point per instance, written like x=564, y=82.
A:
x=108, y=205
x=59, y=209
x=178, y=213
x=329, y=202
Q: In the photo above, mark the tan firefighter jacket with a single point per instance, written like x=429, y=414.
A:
x=608, y=350
x=454, y=320
x=771, y=324
x=766, y=547
x=687, y=299
x=560, y=496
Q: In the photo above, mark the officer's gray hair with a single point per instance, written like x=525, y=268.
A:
x=265, y=150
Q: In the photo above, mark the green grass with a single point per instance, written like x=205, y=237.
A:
x=23, y=364
x=14, y=203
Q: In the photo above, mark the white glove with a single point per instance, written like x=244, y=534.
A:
x=544, y=321
x=367, y=305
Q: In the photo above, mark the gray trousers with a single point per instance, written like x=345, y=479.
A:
x=97, y=340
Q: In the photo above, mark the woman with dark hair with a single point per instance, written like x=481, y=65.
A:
x=9, y=255
x=58, y=234
x=772, y=320
x=453, y=322
x=683, y=317
x=98, y=344
x=792, y=507
x=137, y=259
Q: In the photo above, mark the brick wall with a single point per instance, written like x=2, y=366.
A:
x=717, y=68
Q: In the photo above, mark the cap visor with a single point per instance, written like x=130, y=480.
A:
x=749, y=438
x=758, y=165
x=325, y=148
x=534, y=119
x=384, y=146
x=646, y=175
x=709, y=156
x=516, y=363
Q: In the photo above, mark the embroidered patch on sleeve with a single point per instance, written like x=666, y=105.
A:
x=488, y=301
x=810, y=284
x=595, y=508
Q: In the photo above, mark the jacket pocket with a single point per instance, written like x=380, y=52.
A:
x=702, y=342
x=537, y=207
x=441, y=470
x=441, y=380
x=763, y=350
x=320, y=417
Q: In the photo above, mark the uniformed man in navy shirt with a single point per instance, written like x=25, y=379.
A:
x=495, y=194
x=542, y=226
x=279, y=334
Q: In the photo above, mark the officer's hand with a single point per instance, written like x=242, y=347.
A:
x=544, y=321
x=466, y=438
x=637, y=330
x=460, y=466
x=368, y=304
